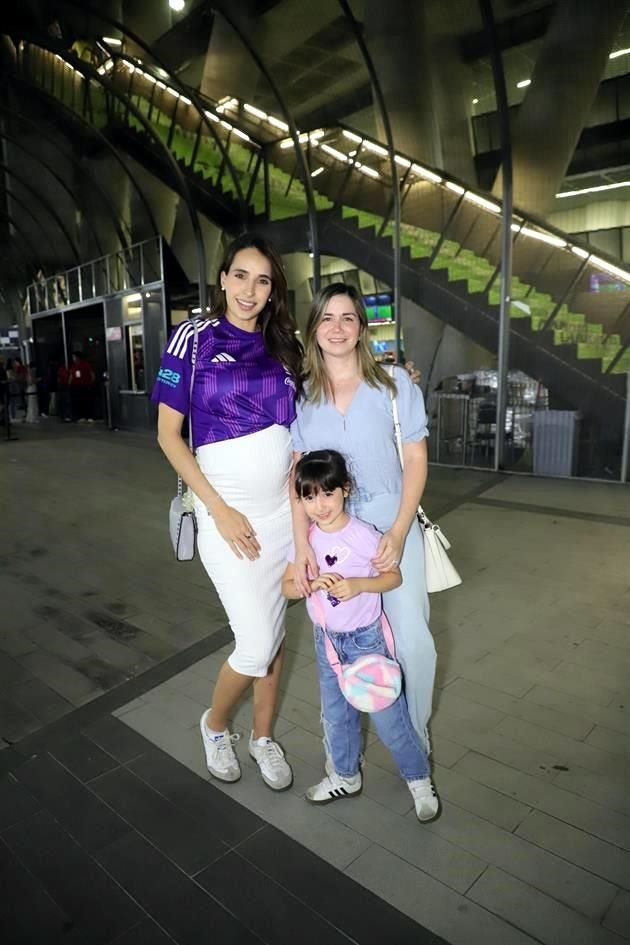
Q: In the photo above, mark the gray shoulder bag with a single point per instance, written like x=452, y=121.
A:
x=181, y=521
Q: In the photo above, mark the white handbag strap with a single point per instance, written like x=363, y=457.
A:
x=398, y=434
x=193, y=361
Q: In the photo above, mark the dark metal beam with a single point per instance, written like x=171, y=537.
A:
x=68, y=155
x=293, y=132
x=75, y=118
x=380, y=98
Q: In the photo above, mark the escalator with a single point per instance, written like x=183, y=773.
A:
x=574, y=340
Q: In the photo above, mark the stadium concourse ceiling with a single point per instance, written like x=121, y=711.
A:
x=308, y=47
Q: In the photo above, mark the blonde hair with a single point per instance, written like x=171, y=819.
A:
x=316, y=380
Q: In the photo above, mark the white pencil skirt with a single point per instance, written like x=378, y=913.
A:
x=251, y=473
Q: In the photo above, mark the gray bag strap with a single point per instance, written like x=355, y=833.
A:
x=193, y=361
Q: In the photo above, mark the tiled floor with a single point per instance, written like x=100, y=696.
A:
x=109, y=829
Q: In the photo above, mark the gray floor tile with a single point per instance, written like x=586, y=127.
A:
x=608, y=791
x=618, y=917
x=537, y=914
x=561, y=722
x=446, y=861
x=576, y=846
x=570, y=884
x=456, y=918
x=574, y=810
x=478, y=799
x=614, y=714
x=38, y=699
x=65, y=680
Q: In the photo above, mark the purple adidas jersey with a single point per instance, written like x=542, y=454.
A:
x=238, y=388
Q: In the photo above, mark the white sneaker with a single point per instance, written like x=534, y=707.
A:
x=273, y=766
x=221, y=761
x=425, y=799
x=333, y=786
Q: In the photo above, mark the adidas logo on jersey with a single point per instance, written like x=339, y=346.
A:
x=223, y=357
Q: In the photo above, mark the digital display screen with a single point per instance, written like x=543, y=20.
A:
x=379, y=307
x=606, y=282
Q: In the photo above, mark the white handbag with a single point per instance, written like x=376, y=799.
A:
x=440, y=574
x=182, y=524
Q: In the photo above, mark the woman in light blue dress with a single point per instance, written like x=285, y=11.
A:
x=347, y=407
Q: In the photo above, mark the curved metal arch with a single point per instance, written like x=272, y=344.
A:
x=53, y=213
x=68, y=155
x=378, y=89
x=37, y=263
x=74, y=116
x=304, y=168
x=189, y=92
x=89, y=72
x=503, y=341
x=24, y=206
x=4, y=136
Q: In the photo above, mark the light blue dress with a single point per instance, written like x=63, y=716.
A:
x=364, y=435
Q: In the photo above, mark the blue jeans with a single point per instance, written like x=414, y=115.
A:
x=342, y=722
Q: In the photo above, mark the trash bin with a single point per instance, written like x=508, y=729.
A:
x=556, y=437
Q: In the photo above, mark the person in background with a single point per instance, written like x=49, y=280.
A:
x=81, y=380
x=32, y=405
x=64, y=407
x=4, y=385
x=48, y=390
x=16, y=377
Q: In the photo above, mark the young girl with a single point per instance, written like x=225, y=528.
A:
x=346, y=594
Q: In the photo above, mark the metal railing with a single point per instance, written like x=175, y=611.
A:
x=132, y=268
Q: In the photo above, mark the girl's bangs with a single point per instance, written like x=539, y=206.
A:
x=307, y=486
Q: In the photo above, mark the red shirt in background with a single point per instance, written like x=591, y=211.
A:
x=81, y=374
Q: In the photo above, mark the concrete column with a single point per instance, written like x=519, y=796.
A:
x=452, y=105
x=396, y=36
x=565, y=80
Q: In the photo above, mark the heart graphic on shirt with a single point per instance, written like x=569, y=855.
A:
x=337, y=556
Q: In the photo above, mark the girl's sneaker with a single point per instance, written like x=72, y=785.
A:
x=425, y=799
x=333, y=786
x=273, y=766
x=221, y=761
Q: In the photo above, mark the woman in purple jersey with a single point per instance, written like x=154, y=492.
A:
x=243, y=401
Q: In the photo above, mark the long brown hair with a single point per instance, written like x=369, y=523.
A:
x=277, y=324
x=315, y=374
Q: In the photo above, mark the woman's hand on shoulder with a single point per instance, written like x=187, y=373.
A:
x=390, y=551
x=235, y=529
x=305, y=569
x=413, y=372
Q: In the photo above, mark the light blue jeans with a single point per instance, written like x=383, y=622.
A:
x=407, y=608
x=342, y=722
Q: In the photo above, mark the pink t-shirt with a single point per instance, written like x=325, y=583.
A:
x=348, y=552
